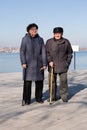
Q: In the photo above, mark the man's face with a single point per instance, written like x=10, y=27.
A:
x=58, y=35
x=33, y=31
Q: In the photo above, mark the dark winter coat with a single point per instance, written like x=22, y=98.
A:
x=32, y=53
x=60, y=52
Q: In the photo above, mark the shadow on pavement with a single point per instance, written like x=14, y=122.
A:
x=72, y=90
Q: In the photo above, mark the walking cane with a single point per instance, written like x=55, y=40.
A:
x=23, y=96
x=51, y=84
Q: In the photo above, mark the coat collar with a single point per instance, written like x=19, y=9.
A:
x=60, y=41
x=28, y=35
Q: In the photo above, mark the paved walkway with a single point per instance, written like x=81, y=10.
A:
x=58, y=116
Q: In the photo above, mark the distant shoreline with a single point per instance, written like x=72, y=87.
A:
x=82, y=49
x=9, y=50
x=17, y=50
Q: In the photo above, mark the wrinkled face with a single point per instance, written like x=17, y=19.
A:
x=58, y=35
x=33, y=31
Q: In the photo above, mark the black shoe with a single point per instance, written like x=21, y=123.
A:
x=25, y=103
x=40, y=101
x=59, y=97
x=54, y=99
x=65, y=100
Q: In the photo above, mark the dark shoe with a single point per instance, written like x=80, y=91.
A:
x=54, y=99
x=40, y=101
x=25, y=103
x=65, y=100
x=59, y=97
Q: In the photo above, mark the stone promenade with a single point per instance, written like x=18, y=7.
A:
x=58, y=116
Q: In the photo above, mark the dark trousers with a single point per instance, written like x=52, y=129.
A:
x=27, y=91
x=63, y=85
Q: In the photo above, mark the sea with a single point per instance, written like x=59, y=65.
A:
x=10, y=62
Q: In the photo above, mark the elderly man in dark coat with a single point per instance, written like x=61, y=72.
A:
x=33, y=60
x=59, y=55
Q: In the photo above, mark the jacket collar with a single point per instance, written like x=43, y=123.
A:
x=28, y=35
x=59, y=41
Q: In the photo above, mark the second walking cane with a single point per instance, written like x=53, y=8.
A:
x=51, y=84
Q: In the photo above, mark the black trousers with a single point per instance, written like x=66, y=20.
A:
x=27, y=91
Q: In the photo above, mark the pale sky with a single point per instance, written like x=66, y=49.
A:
x=15, y=15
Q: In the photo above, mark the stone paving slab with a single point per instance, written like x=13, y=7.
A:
x=59, y=115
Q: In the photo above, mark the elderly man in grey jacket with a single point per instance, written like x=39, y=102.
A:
x=33, y=60
x=59, y=55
